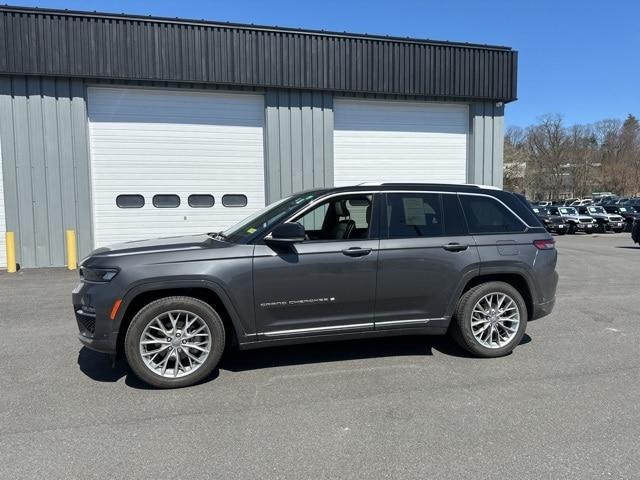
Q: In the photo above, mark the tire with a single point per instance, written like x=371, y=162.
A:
x=561, y=232
x=461, y=328
x=166, y=311
x=572, y=229
x=589, y=232
x=618, y=230
x=602, y=228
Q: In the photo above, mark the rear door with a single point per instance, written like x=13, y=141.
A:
x=425, y=253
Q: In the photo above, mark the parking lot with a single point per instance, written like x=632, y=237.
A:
x=563, y=405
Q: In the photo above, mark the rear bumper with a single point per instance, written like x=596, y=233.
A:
x=542, y=309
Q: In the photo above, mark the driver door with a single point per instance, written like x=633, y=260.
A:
x=327, y=283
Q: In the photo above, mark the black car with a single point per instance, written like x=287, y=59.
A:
x=553, y=223
x=321, y=265
x=629, y=214
x=605, y=221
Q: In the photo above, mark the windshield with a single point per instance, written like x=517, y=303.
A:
x=568, y=211
x=596, y=210
x=263, y=219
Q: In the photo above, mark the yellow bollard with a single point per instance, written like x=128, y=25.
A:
x=72, y=255
x=11, y=252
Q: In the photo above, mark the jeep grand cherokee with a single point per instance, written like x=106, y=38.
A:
x=329, y=264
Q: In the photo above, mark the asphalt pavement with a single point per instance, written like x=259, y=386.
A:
x=565, y=404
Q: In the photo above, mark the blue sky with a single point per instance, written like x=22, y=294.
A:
x=580, y=59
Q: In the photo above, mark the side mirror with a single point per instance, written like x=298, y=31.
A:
x=286, y=233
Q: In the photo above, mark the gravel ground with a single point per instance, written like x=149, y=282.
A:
x=565, y=404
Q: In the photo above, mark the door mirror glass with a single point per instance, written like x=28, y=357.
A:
x=286, y=233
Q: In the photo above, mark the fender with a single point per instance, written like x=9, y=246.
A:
x=243, y=334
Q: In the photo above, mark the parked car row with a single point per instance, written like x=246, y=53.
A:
x=610, y=214
x=585, y=219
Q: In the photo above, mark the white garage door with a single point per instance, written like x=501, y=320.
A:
x=3, y=228
x=395, y=141
x=176, y=151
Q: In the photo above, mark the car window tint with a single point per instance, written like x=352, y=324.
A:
x=130, y=201
x=454, y=221
x=411, y=215
x=486, y=215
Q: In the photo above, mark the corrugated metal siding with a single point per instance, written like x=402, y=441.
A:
x=486, y=144
x=299, y=141
x=3, y=246
x=43, y=136
x=100, y=46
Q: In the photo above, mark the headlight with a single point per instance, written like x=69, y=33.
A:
x=98, y=275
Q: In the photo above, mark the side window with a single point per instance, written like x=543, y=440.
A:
x=340, y=218
x=454, y=222
x=486, y=215
x=411, y=215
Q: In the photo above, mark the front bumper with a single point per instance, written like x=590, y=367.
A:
x=91, y=305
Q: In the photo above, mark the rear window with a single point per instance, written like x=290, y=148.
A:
x=487, y=215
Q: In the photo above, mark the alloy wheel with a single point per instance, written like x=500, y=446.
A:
x=175, y=344
x=495, y=319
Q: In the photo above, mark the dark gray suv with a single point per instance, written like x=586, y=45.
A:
x=330, y=264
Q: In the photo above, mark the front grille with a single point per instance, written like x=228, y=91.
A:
x=86, y=323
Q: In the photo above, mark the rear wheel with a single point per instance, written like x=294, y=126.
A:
x=490, y=319
x=174, y=342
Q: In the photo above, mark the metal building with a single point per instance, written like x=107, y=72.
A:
x=123, y=127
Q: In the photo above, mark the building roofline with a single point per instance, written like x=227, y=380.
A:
x=242, y=26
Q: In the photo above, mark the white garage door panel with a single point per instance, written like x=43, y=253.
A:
x=152, y=142
x=387, y=141
x=3, y=228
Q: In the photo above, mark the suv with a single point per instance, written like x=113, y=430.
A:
x=553, y=223
x=575, y=221
x=605, y=221
x=330, y=264
x=627, y=213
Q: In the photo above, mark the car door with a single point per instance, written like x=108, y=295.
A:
x=426, y=253
x=325, y=284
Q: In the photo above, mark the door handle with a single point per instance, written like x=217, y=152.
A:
x=455, y=247
x=356, y=252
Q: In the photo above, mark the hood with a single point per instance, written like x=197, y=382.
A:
x=157, y=245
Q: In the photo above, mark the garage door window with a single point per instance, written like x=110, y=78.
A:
x=201, y=201
x=130, y=201
x=234, y=200
x=166, y=201
x=486, y=215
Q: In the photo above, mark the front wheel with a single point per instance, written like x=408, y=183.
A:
x=490, y=319
x=572, y=229
x=174, y=342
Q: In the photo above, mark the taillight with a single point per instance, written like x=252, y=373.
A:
x=546, y=244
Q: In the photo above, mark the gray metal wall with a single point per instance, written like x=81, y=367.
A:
x=486, y=143
x=45, y=156
x=93, y=45
x=299, y=141
x=43, y=132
